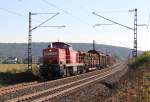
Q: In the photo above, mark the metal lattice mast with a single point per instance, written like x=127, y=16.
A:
x=135, y=35
x=134, y=51
x=29, y=45
x=30, y=35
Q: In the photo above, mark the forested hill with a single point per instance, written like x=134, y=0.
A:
x=20, y=49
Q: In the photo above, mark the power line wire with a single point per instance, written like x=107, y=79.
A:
x=12, y=12
x=16, y=13
x=115, y=11
x=44, y=21
x=112, y=21
x=66, y=12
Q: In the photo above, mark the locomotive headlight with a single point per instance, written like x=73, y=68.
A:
x=50, y=50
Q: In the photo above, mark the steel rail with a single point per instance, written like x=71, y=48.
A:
x=14, y=88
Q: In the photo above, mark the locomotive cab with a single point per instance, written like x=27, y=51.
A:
x=61, y=45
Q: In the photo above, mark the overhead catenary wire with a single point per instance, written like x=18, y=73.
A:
x=16, y=13
x=112, y=21
x=12, y=12
x=42, y=13
x=102, y=24
x=114, y=11
x=45, y=20
x=66, y=12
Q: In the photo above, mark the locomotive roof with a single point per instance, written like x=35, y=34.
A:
x=61, y=43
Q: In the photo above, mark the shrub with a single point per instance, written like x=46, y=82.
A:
x=140, y=60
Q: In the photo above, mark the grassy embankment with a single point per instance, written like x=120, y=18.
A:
x=15, y=68
x=16, y=73
x=135, y=85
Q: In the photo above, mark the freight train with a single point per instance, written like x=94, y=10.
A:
x=60, y=60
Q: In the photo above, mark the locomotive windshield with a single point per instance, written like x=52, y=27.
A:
x=61, y=45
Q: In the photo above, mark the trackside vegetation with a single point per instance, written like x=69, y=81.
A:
x=15, y=68
x=140, y=60
x=134, y=86
x=17, y=73
x=141, y=65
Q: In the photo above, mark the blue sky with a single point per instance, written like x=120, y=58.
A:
x=77, y=16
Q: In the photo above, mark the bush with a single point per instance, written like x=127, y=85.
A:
x=140, y=60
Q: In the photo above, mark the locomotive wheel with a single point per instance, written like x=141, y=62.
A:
x=49, y=74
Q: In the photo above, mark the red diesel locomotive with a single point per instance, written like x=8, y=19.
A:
x=60, y=60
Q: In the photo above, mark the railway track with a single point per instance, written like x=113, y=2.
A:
x=16, y=87
x=48, y=90
x=77, y=86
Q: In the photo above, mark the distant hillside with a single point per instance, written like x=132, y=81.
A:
x=20, y=49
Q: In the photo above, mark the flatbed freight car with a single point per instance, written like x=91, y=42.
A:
x=60, y=60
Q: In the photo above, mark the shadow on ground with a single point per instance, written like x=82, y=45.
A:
x=15, y=78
